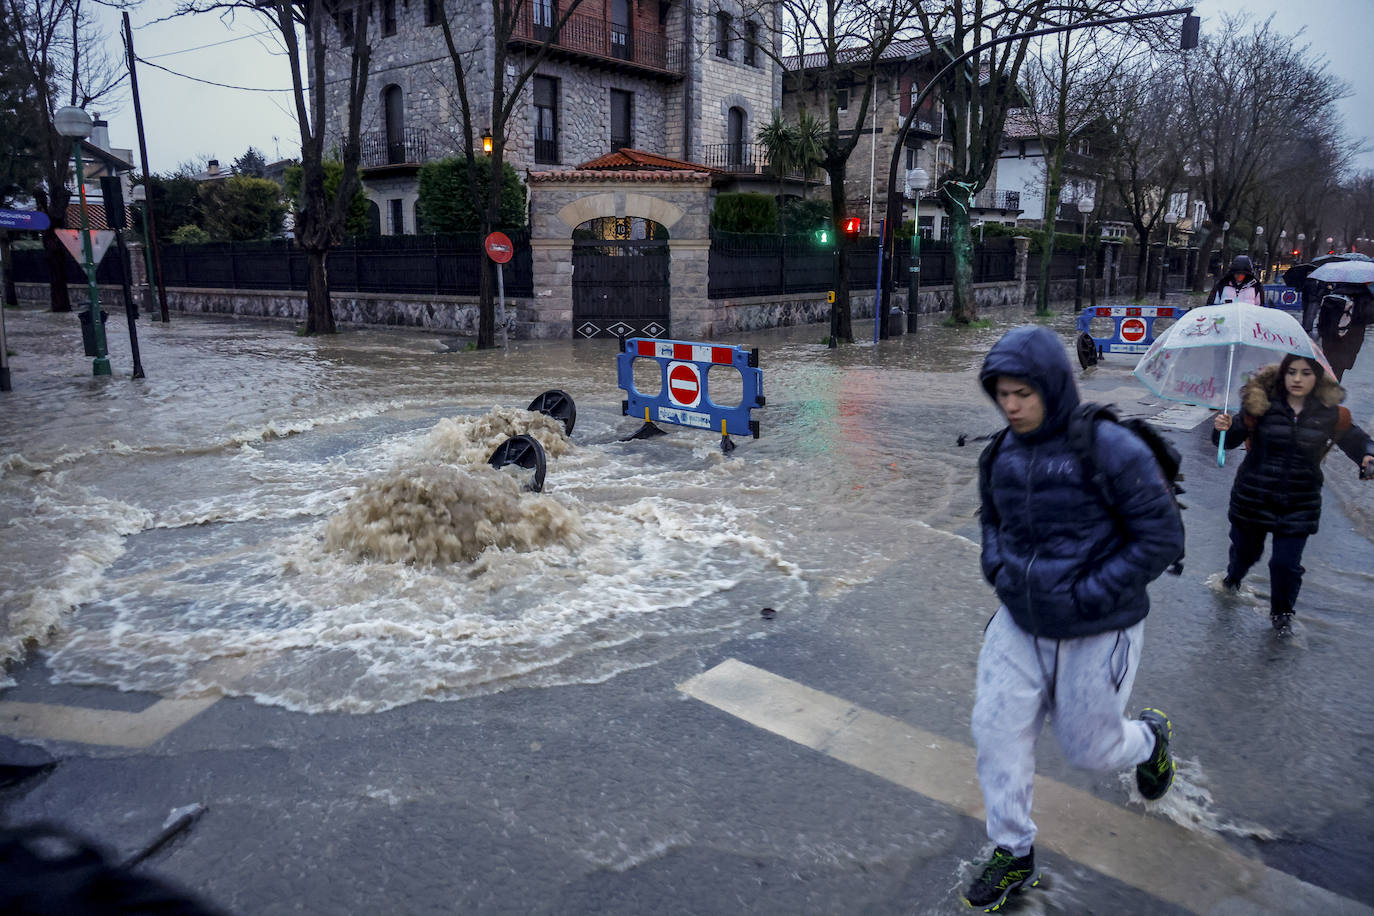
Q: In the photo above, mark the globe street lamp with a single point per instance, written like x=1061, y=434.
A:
x=75, y=123
x=1085, y=206
x=1302, y=239
x=1169, y=220
x=1259, y=243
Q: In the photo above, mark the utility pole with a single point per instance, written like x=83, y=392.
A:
x=143, y=158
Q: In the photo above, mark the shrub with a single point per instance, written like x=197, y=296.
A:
x=797, y=216
x=189, y=234
x=355, y=222
x=446, y=196
x=745, y=213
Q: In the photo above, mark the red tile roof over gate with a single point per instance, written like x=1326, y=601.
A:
x=633, y=160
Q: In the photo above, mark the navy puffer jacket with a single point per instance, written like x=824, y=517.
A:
x=1061, y=562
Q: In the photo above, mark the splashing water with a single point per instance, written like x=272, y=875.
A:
x=1189, y=803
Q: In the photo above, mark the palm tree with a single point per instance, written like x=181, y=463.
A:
x=780, y=140
x=810, y=146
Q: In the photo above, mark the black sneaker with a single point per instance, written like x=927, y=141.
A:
x=1001, y=875
x=1156, y=774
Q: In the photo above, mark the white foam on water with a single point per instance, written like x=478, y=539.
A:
x=433, y=580
x=1189, y=803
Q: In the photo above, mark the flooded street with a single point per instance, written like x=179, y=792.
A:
x=308, y=528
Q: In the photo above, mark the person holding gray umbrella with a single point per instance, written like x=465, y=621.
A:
x=1345, y=310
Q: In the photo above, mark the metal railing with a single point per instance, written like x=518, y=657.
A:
x=741, y=159
x=380, y=149
x=986, y=199
x=415, y=264
x=593, y=36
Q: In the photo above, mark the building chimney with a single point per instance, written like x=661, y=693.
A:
x=212, y=167
x=100, y=133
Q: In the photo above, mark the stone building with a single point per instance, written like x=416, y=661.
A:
x=900, y=75
x=688, y=80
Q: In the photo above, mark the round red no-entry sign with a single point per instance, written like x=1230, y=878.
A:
x=684, y=384
x=1132, y=330
x=499, y=247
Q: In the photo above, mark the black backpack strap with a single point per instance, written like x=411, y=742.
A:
x=985, y=466
x=1082, y=438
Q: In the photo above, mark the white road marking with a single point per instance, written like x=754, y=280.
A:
x=1181, y=416
x=100, y=726
x=1196, y=871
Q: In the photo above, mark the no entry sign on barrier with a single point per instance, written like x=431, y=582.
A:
x=684, y=397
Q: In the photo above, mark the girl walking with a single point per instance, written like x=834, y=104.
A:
x=1290, y=417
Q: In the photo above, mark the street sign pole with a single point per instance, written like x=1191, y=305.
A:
x=501, y=304
x=101, y=364
x=4, y=350
x=499, y=248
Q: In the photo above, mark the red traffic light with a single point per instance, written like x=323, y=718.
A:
x=851, y=225
x=1295, y=252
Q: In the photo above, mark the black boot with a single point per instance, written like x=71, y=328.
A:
x=1282, y=619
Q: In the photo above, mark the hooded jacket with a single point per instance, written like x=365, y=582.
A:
x=1278, y=487
x=1247, y=290
x=1062, y=562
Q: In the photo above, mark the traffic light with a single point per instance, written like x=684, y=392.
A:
x=1295, y=252
x=852, y=224
x=1188, y=40
x=824, y=237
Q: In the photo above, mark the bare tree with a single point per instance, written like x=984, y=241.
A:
x=1239, y=116
x=1148, y=161
x=1067, y=82
x=832, y=47
x=310, y=31
x=61, y=59
x=977, y=97
x=495, y=21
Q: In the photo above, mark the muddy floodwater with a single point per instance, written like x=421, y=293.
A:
x=312, y=523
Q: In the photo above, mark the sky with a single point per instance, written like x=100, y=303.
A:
x=184, y=119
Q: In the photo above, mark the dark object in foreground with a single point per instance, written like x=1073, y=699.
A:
x=525, y=452
x=647, y=431
x=768, y=613
x=559, y=405
x=46, y=870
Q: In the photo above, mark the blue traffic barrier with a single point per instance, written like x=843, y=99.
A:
x=1278, y=296
x=684, y=397
x=1133, y=329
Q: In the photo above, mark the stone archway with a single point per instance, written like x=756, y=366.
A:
x=678, y=200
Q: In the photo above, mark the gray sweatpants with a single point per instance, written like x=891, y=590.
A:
x=1084, y=683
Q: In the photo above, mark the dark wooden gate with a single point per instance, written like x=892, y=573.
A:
x=620, y=288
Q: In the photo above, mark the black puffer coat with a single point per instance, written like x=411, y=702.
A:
x=1279, y=485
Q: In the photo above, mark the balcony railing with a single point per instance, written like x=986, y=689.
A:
x=382, y=149
x=742, y=159
x=591, y=36
x=986, y=199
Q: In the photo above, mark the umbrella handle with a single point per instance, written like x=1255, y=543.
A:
x=1226, y=403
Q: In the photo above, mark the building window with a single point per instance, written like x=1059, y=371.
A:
x=735, y=124
x=544, y=14
x=396, y=217
x=622, y=119
x=723, y=35
x=621, y=47
x=944, y=160
x=388, y=17
x=546, y=120
x=751, y=43
x=393, y=111
x=434, y=10
x=910, y=159
x=418, y=214
x=842, y=98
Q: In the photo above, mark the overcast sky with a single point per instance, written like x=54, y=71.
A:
x=185, y=119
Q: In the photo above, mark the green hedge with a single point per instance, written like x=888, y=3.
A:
x=445, y=204
x=745, y=213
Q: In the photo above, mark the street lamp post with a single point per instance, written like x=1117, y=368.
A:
x=1330, y=242
x=75, y=123
x=1302, y=245
x=1283, y=245
x=917, y=181
x=1259, y=243
x=1085, y=206
x=1169, y=219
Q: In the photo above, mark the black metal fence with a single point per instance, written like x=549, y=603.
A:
x=31, y=266
x=444, y=265
x=777, y=265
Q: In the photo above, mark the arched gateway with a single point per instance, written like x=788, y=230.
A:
x=621, y=247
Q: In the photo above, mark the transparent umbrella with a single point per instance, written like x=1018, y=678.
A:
x=1213, y=350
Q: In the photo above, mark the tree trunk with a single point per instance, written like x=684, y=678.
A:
x=57, y=272
x=319, y=317
x=10, y=294
x=1204, y=258
x=1142, y=266
x=961, y=244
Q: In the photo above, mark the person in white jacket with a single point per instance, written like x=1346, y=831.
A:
x=1239, y=284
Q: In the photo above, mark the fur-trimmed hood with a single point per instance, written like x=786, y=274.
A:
x=1256, y=394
